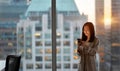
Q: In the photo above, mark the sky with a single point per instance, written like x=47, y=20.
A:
x=87, y=7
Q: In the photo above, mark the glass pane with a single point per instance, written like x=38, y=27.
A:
x=38, y=23
x=69, y=26
x=25, y=29
x=72, y=14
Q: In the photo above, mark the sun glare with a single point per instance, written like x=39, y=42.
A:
x=107, y=22
x=107, y=13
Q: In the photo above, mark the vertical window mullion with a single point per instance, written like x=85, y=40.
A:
x=53, y=35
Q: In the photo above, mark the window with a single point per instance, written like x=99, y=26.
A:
x=66, y=66
x=38, y=35
x=66, y=58
x=48, y=43
x=39, y=43
x=58, y=66
x=39, y=51
x=75, y=66
x=39, y=58
x=39, y=66
x=38, y=28
x=47, y=35
x=58, y=35
x=66, y=43
x=66, y=26
x=48, y=58
x=58, y=50
x=48, y=66
x=48, y=51
x=58, y=58
x=29, y=66
x=28, y=53
x=66, y=50
x=67, y=35
x=58, y=43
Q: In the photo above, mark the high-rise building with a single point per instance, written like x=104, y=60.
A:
x=12, y=10
x=100, y=30
x=99, y=17
x=10, y=14
x=3, y=2
x=7, y=39
x=16, y=2
x=115, y=33
x=34, y=36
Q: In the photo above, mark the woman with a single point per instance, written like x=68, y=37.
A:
x=87, y=48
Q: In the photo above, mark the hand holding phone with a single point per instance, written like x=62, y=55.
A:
x=79, y=41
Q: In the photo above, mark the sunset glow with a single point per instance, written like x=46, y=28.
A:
x=107, y=21
x=88, y=7
x=107, y=12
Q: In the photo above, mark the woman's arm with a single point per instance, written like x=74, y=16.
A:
x=80, y=50
x=93, y=49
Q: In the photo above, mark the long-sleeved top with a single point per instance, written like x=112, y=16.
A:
x=87, y=52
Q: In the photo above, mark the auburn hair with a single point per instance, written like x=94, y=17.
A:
x=92, y=32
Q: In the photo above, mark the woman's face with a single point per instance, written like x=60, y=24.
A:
x=86, y=31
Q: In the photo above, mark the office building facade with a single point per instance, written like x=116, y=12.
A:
x=34, y=36
x=7, y=39
x=10, y=13
x=100, y=30
x=115, y=32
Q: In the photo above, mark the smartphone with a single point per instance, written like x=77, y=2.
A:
x=79, y=40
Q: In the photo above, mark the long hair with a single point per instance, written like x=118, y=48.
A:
x=92, y=32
